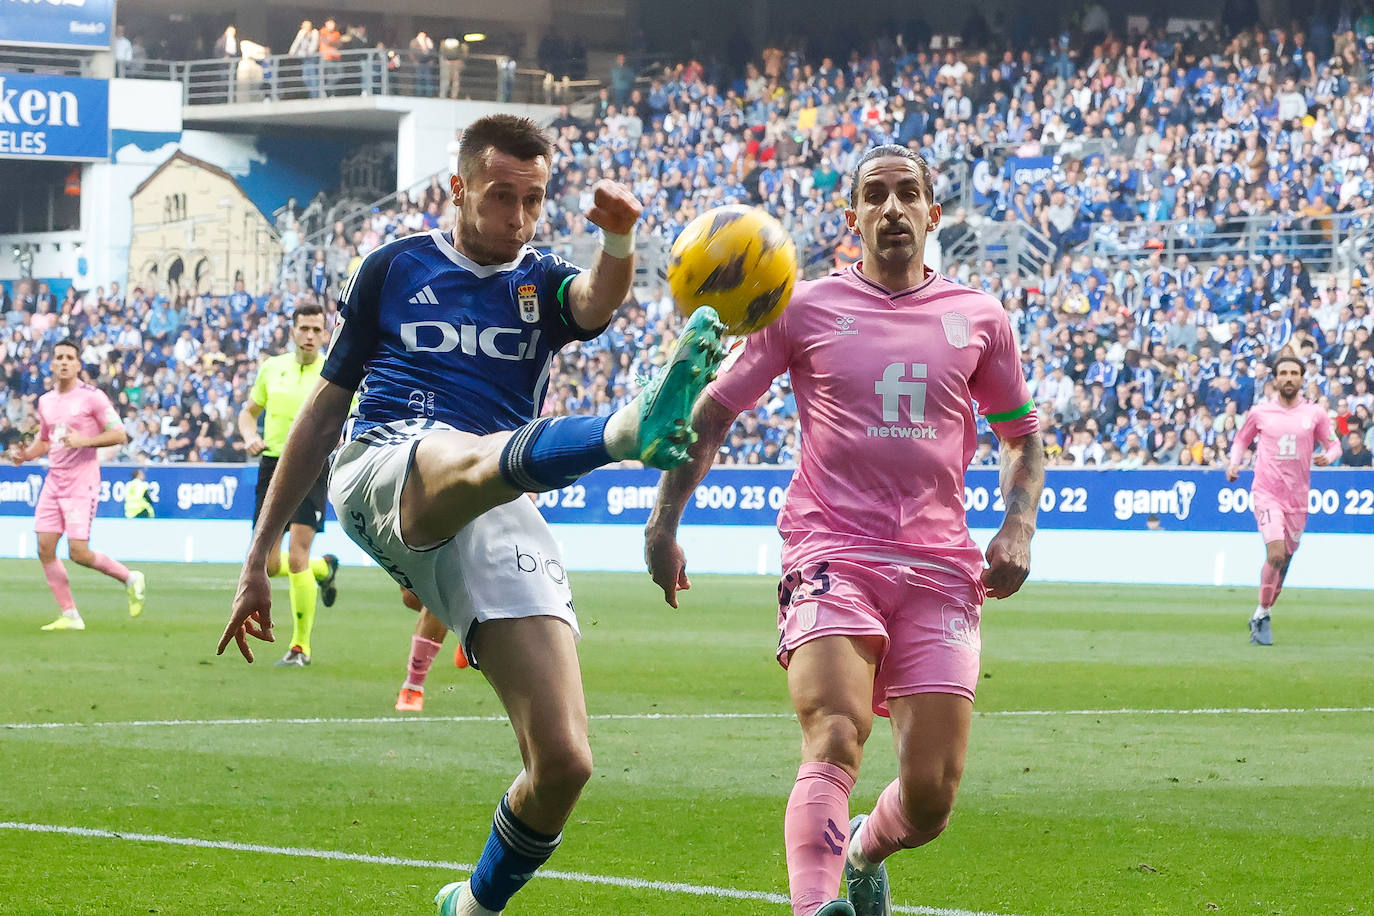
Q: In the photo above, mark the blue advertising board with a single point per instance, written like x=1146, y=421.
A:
x=53, y=117
x=1340, y=501
x=57, y=23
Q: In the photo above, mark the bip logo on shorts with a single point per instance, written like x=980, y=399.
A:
x=536, y=562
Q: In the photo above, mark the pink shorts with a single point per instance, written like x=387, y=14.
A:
x=1279, y=524
x=69, y=515
x=927, y=623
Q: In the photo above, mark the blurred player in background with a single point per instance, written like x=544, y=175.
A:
x=880, y=602
x=425, y=644
x=1288, y=428
x=283, y=384
x=452, y=337
x=136, y=503
x=76, y=419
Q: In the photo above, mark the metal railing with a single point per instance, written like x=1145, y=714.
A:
x=369, y=71
x=1336, y=242
x=1016, y=249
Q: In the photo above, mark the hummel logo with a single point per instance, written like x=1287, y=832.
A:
x=423, y=297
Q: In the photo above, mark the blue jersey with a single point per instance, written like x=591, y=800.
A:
x=427, y=333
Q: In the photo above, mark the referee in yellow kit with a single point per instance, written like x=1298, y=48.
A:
x=283, y=385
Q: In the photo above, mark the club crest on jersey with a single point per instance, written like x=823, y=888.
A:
x=956, y=329
x=527, y=295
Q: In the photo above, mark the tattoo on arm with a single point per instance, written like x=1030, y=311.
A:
x=712, y=421
x=1023, y=475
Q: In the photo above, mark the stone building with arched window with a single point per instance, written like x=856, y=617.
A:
x=194, y=230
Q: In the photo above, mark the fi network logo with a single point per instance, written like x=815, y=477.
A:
x=894, y=388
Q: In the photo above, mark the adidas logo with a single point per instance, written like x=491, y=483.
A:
x=423, y=297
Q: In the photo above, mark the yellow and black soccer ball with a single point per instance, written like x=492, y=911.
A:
x=738, y=260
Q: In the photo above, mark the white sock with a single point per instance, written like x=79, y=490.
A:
x=854, y=853
x=72, y=613
x=1260, y=612
x=468, y=905
x=622, y=432
x=409, y=686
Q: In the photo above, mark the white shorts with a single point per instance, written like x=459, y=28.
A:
x=504, y=564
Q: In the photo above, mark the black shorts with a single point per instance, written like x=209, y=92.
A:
x=309, y=512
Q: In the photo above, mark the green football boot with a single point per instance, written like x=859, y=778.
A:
x=665, y=404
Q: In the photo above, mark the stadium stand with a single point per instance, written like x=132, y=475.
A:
x=1160, y=215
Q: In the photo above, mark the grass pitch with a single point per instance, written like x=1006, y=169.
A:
x=1118, y=763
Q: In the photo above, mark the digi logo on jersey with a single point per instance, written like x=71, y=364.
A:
x=442, y=337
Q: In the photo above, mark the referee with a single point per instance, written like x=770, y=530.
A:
x=283, y=385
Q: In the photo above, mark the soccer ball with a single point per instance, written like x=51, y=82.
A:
x=738, y=260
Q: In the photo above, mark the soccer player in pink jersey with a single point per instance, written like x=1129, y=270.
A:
x=76, y=420
x=1288, y=428
x=880, y=600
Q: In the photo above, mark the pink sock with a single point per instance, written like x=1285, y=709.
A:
x=1271, y=583
x=888, y=829
x=61, y=586
x=112, y=568
x=815, y=831
x=422, y=652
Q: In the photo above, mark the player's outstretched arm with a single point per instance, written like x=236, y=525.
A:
x=595, y=295
x=312, y=438
x=662, y=553
x=1023, y=477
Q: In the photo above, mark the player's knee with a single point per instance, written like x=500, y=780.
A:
x=82, y=556
x=928, y=800
x=47, y=554
x=410, y=599
x=561, y=768
x=837, y=738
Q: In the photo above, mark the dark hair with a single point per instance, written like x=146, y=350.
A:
x=892, y=149
x=305, y=310
x=509, y=134
x=1289, y=358
x=68, y=342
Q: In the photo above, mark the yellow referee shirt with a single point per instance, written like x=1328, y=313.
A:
x=280, y=389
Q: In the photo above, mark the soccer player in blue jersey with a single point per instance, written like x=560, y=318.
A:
x=451, y=338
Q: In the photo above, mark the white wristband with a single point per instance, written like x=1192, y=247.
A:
x=618, y=245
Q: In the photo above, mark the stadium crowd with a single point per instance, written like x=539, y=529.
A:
x=1136, y=356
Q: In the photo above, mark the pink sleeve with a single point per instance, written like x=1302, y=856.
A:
x=748, y=373
x=1248, y=430
x=102, y=411
x=44, y=428
x=1326, y=437
x=999, y=386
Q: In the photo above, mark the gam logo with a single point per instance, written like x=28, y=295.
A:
x=1176, y=501
x=21, y=491
x=219, y=494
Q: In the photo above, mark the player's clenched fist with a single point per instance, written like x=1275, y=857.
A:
x=614, y=208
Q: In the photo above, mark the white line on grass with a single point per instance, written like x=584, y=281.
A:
x=666, y=716
x=667, y=887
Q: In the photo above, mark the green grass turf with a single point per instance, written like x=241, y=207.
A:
x=1059, y=814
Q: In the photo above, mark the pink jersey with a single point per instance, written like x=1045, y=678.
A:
x=1283, y=459
x=885, y=386
x=85, y=411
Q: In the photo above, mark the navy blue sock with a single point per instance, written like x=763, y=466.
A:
x=551, y=453
x=508, y=862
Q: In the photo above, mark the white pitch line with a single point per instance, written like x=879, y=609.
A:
x=667, y=887
x=665, y=716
